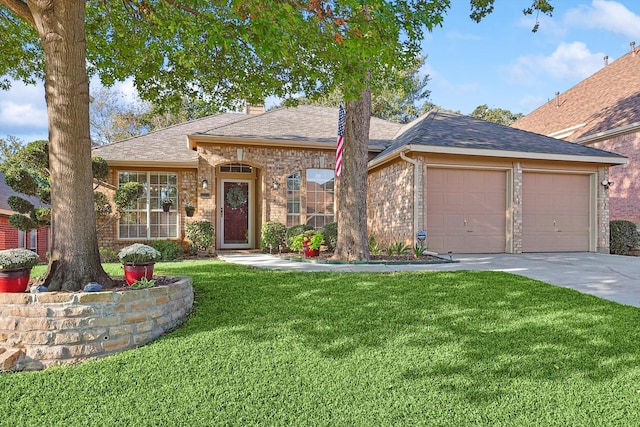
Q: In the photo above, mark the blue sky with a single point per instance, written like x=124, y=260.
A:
x=498, y=62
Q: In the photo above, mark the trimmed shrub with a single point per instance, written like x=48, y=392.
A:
x=623, y=237
x=201, y=234
x=169, y=249
x=272, y=233
x=294, y=231
x=330, y=233
x=108, y=254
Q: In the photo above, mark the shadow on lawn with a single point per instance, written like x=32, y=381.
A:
x=457, y=330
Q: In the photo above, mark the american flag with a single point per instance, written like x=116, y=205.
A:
x=340, y=143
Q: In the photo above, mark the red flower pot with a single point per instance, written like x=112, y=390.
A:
x=14, y=280
x=308, y=252
x=135, y=272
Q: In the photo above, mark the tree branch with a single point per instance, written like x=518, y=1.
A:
x=21, y=9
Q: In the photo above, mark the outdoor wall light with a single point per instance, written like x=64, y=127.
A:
x=205, y=184
x=606, y=183
x=276, y=184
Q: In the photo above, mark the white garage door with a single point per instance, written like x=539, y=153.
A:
x=466, y=210
x=555, y=212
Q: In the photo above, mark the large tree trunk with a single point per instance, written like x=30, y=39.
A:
x=353, y=241
x=74, y=259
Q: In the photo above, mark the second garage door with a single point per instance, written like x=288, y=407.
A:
x=466, y=210
x=555, y=212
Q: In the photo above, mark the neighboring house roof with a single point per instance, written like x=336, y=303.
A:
x=445, y=132
x=607, y=100
x=303, y=123
x=168, y=145
x=6, y=192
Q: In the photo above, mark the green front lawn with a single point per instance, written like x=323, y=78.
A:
x=287, y=348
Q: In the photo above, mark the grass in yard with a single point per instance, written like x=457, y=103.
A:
x=289, y=348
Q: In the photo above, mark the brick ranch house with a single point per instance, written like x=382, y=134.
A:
x=474, y=186
x=602, y=111
x=11, y=238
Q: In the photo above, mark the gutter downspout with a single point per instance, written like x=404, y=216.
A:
x=416, y=180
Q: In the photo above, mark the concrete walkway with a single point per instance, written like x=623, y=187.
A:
x=613, y=277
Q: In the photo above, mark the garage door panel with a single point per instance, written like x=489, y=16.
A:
x=466, y=210
x=556, y=212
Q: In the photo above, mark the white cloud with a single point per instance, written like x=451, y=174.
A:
x=608, y=15
x=23, y=112
x=570, y=61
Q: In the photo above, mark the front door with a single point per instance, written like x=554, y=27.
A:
x=236, y=214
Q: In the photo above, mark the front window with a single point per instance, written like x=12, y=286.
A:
x=320, y=192
x=294, y=182
x=33, y=240
x=147, y=219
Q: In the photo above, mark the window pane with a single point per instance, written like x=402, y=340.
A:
x=320, y=197
x=147, y=220
x=294, y=182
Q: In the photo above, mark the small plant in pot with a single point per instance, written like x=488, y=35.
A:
x=138, y=261
x=309, y=241
x=189, y=209
x=15, y=269
x=167, y=202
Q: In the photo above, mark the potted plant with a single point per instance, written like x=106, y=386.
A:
x=15, y=269
x=189, y=209
x=167, y=202
x=138, y=261
x=309, y=241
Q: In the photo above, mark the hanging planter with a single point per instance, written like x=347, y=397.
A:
x=189, y=209
x=166, y=204
x=15, y=269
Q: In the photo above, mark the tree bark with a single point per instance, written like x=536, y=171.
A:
x=353, y=240
x=74, y=255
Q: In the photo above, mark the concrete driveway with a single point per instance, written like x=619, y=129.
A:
x=612, y=277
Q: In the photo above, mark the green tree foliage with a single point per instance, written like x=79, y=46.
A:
x=398, y=102
x=495, y=115
x=9, y=146
x=27, y=172
x=113, y=119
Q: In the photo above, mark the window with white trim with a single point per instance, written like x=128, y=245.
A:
x=294, y=183
x=320, y=197
x=147, y=220
x=33, y=240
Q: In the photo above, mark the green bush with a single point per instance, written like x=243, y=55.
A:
x=201, y=234
x=294, y=231
x=108, y=254
x=330, y=233
x=169, y=249
x=623, y=237
x=272, y=233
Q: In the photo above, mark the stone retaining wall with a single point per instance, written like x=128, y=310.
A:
x=53, y=328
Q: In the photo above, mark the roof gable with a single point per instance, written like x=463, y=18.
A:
x=607, y=100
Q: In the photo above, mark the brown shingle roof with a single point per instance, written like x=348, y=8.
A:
x=607, y=100
x=302, y=123
x=165, y=145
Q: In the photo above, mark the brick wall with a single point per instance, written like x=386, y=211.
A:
x=54, y=328
x=390, y=203
x=9, y=238
x=624, y=195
